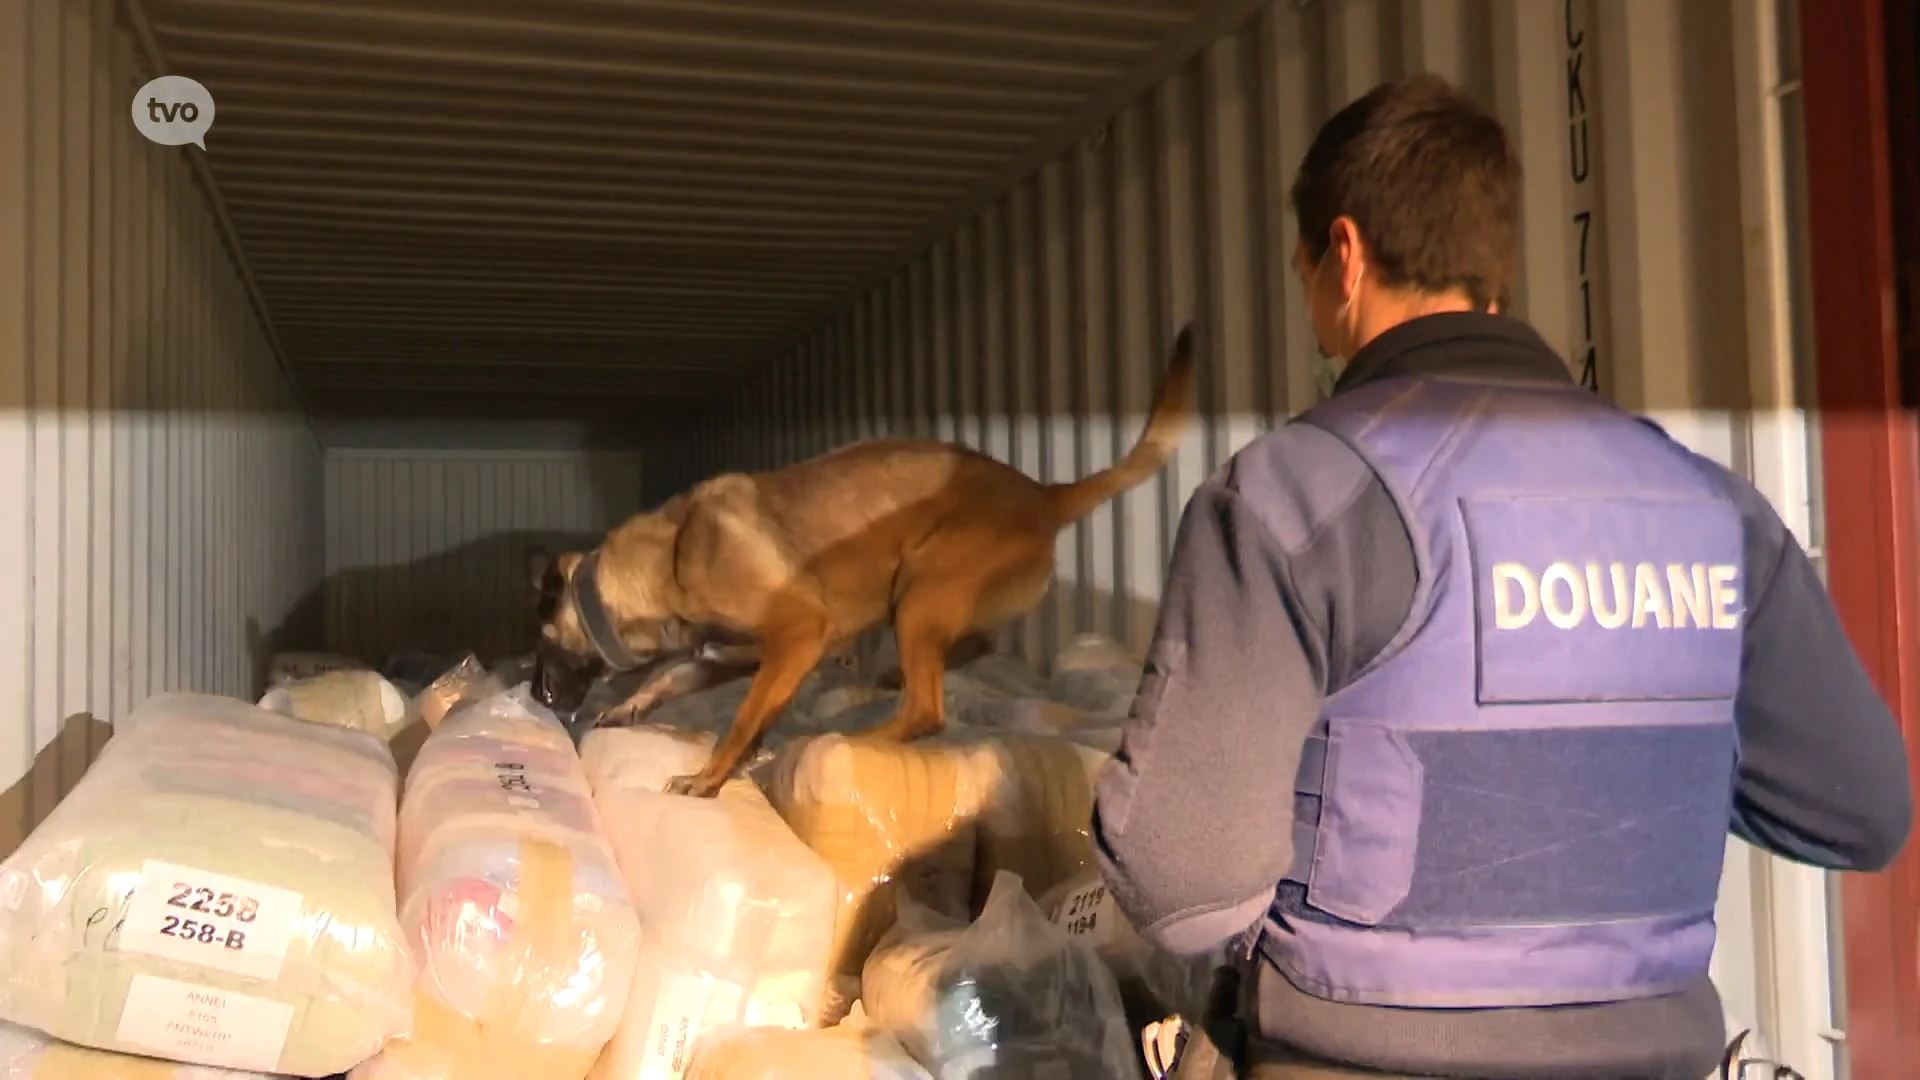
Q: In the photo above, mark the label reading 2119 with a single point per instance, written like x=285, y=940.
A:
x=209, y=919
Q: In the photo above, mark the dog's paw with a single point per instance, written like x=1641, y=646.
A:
x=697, y=786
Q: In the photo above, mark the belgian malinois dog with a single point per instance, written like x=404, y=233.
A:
x=782, y=567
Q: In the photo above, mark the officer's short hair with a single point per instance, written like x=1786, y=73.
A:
x=1430, y=179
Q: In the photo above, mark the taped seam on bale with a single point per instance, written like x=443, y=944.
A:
x=493, y=1043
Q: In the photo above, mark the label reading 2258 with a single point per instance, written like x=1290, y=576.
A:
x=210, y=919
x=203, y=913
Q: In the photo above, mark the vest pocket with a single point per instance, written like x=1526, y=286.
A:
x=1369, y=826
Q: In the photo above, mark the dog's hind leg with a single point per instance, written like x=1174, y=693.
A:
x=931, y=622
x=786, y=657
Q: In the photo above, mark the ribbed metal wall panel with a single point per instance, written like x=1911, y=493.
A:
x=159, y=490
x=1659, y=142
x=425, y=548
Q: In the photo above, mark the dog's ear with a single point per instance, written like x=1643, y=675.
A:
x=539, y=563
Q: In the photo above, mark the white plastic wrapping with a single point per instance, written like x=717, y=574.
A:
x=28, y=1055
x=1008, y=996
x=523, y=931
x=851, y=1050
x=465, y=682
x=1037, y=820
x=217, y=889
x=355, y=700
x=642, y=758
x=738, y=916
x=1096, y=675
x=889, y=819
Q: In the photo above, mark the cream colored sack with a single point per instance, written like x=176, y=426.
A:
x=521, y=924
x=739, y=917
x=887, y=818
x=355, y=700
x=217, y=889
x=852, y=1050
x=29, y=1055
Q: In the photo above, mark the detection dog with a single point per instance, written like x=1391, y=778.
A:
x=774, y=571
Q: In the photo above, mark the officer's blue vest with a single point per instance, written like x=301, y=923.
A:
x=1524, y=801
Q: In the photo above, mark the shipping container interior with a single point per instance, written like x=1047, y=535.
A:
x=447, y=278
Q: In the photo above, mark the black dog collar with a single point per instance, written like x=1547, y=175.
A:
x=584, y=586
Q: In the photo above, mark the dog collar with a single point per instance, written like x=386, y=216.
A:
x=584, y=586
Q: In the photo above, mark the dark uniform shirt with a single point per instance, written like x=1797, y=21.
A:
x=1282, y=589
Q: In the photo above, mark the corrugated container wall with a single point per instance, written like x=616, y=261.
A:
x=1655, y=137
x=159, y=487
x=424, y=545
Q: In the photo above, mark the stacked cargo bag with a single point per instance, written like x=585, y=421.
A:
x=854, y=1049
x=737, y=916
x=521, y=927
x=1037, y=817
x=645, y=757
x=216, y=890
x=355, y=700
x=26, y=1054
x=890, y=819
x=1008, y=997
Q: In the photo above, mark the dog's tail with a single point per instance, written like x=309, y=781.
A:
x=1166, y=426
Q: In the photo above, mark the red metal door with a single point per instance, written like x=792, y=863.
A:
x=1872, y=470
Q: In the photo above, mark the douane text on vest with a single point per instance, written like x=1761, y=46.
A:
x=1676, y=596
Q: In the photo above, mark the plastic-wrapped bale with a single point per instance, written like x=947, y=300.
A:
x=521, y=924
x=887, y=818
x=1096, y=675
x=217, y=889
x=642, y=758
x=1009, y=996
x=851, y=1050
x=1037, y=819
x=355, y=700
x=26, y=1054
x=465, y=682
x=738, y=918
x=1161, y=982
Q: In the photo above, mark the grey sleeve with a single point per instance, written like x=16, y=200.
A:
x=1291, y=570
x=1823, y=768
x=1192, y=817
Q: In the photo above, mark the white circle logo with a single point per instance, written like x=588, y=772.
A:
x=174, y=110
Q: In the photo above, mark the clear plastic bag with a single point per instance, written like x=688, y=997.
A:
x=1009, y=996
x=355, y=700
x=520, y=921
x=1096, y=675
x=851, y=1050
x=217, y=889
x=467, y=681
x=1037, y=821
x=739, y=918
x=26, y=1054
x=888, y=818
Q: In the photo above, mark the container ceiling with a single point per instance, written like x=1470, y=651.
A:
x=505, y=207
